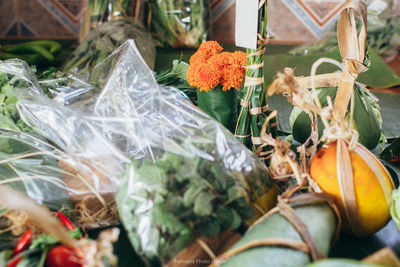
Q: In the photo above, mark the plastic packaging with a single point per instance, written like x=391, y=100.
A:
x=205, y=172
x=56, y=165
x=185, y=175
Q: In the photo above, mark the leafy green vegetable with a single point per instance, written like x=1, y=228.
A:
x=104, y=40
x=45, y=242
x=176, y=77
x=179, y=23
x=4, y=256
x=9, y=118
x=181, y=198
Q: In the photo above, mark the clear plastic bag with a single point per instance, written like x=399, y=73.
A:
x=177, y=159
x=42, y=162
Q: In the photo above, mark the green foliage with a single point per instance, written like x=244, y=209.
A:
x=179, y=23
x=176, y=77
x=183, y=198
x=9, y=118
x=366, y=118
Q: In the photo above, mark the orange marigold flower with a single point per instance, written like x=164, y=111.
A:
x=209, y=77
x=208, y=67
x=211, y=46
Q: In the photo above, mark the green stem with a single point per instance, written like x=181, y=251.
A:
x=250, y=124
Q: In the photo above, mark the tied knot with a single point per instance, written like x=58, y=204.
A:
x=352, y=68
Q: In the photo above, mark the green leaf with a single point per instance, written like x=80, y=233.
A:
x=5, y=256
x=211, y=227
x=236, y=192
x=191, y=193
x=44, y=241
x=203, y=204
x=392, y=151
x=167, y=221
x=395, y=208
x=228, y=218
x=236, y=220
x=179, y=68
x=379, y=75
x=341, y=263
x=390, y=111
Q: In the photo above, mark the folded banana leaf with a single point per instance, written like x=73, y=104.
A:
x=318, y=218
x=341, y=263
x=366, y=118
x=379, y=74
x=221, y=105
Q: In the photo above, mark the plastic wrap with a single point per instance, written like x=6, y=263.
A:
x=45, y=164
x=185, y=174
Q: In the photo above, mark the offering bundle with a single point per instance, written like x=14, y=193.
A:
x=185, y=175
x=363, y=112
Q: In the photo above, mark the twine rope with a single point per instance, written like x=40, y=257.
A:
x=307, y=245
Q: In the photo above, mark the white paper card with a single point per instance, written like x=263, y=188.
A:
x=246, y=23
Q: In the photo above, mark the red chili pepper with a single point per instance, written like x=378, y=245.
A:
x=23, y=242
x=68, y=224
x=14, y=262
x=63, y=256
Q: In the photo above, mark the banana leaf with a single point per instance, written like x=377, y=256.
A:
x=320, y=221
x=366, y=117
x=390, y=111
x=341, y=263
x=379, y=75
x=221, y=105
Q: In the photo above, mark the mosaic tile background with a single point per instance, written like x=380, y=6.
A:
x=291, y=21
x=57, y=19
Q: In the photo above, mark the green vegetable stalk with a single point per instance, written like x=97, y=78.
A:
x=119, y=8
x=179, y=23
x=104, y=40
x=97, y=12
x=176, y=77
x=253, y=104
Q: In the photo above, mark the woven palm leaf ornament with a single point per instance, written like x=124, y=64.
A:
x=343, y=167
x=254, y=110
x=352, y=102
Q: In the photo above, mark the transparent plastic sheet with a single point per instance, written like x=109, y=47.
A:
x=49, y=168
x=383, y=31
x=185, y=175
x=180, y=23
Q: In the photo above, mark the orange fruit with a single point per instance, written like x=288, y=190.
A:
x=373, y=187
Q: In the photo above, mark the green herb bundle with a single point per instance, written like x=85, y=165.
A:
x=98, y=10
x=249, y=123
x=176, y=77
x=119, y=8
x=9, y=117
x=179, y=23
x=104, y=40
x=165, y=204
